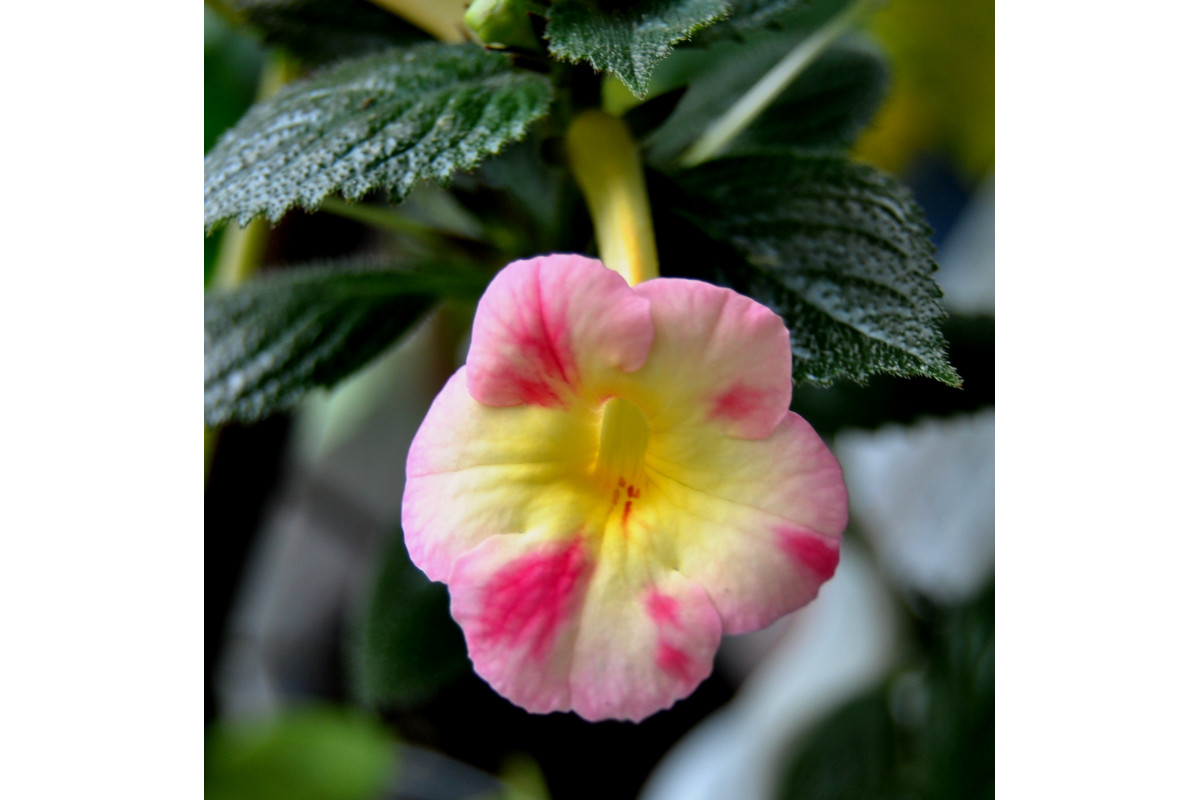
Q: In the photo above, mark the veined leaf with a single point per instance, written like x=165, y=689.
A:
x=629, y=40
x=271, y=341
x=383, y=121
x=319, y=31
x=840, y=250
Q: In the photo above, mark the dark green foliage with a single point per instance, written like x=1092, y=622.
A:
x=929, y=735
x=326, y=30
x=384, y=121
x=839, y=250
x=628, y=40
x=887, y=398
x=270, y=342
x=849, y=757
x=406, y=647
x=826, y=106
x=747, y=17
x=313, y=753
x=231, y=62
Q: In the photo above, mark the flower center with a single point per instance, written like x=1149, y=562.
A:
x=620, y=458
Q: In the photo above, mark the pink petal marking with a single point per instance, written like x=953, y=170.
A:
x=678, y=664
x=663, y=609
x=549, y=328
x=739, y=402
x=819, y=554
x=531, y=597
x=546, y=349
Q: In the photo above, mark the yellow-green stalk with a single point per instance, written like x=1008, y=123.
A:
x=608, y=168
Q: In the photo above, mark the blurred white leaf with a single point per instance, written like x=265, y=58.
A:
x=842, y=643
x=925, y=495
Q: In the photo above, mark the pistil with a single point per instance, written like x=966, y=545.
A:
x=620, y=458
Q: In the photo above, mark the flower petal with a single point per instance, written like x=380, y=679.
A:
x=475, y=471
x=550, y=328
x=757, y=523
x=719, y=358
x=517, y=599
x=641, y=645
x=556, y=624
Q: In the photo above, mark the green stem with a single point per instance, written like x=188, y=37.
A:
x=241, y=254
x=730, y=125
x=605, y=162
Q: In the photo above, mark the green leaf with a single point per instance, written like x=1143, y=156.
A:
x=315, y=753
x=839, y=250
x=825, y=107
x=929, y=733
x=325, y=30
x=629, y=40
x=850, y=756
x=747, y=17
x=384, y=121
x=271, y=341
x=406, y=647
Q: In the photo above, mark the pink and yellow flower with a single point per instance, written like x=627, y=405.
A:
x=613, y=481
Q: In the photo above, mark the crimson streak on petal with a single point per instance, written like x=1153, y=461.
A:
x=530, y=599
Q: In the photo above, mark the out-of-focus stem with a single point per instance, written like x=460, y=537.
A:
x=440, y=18
x=605, y=162
x=730, y=125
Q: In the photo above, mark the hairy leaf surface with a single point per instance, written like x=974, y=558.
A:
x=383, y=121
x=271, y=341
x=628, y=40
x=840, y=250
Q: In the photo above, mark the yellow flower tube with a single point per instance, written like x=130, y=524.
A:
x=605, y=162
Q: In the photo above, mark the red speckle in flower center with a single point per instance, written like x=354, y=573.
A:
x=633, y=493
x=530, y=598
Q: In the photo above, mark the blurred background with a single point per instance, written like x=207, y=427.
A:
x=333, y=669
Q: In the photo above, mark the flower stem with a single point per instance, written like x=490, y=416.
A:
x=605, y=162
x=730, y=125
